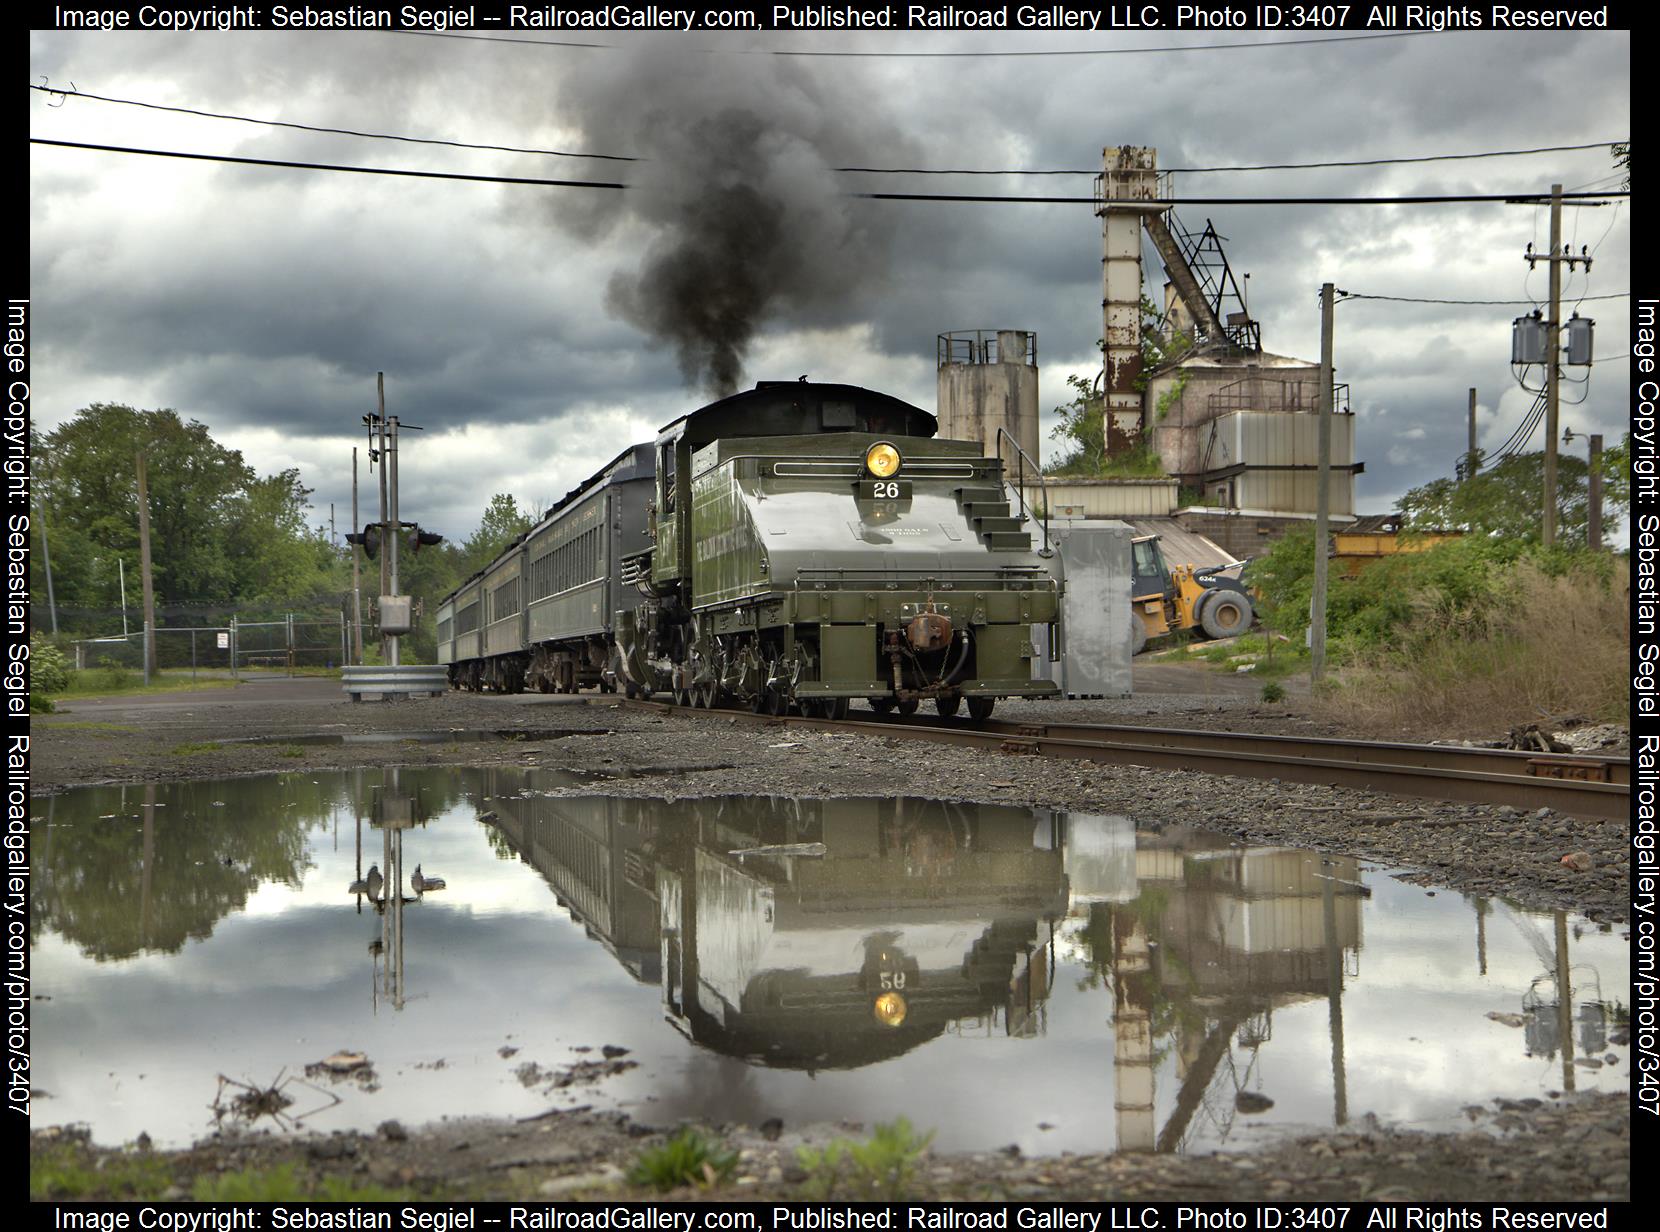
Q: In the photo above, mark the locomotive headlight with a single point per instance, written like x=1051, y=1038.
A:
x=882, y=460
x=889, y=1009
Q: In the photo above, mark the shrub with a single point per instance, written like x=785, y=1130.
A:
x=688, y=1158
x=879, y=1167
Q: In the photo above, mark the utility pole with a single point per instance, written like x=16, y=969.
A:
x=1472, y=460
x=1322, y=502
x=1553, y=342
x=46, y=551
x=390, y=531
x=1593, y=527
x=380, y=453
x=144, y=569
x=357, y=586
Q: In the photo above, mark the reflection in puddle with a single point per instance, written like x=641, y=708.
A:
x=457, y=736
x=448, y=942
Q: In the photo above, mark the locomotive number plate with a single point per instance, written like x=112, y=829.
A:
x=885, y=489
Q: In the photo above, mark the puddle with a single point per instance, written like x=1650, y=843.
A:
x=997, y=974
x=459, y=736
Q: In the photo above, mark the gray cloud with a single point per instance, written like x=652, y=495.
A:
x=264, y=301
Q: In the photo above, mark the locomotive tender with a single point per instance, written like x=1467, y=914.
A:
x=796, y=544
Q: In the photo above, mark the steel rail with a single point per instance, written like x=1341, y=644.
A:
x=1440, y=772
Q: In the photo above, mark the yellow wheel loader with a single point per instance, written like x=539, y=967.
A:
x=1164, y=600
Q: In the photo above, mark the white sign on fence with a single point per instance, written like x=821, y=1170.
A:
x=224, y=641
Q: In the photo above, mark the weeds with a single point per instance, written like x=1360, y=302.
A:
x=193, y=747
x=1273, y=692
x=688, y=1158
x=879, y=1167
x=67, y=1172
x=285, y=1184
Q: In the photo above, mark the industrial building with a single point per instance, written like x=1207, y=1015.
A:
x=1234, y=426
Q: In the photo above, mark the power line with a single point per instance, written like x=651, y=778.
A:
x=505, y=179
x=317, y=128
x=1408, y=299
x=1358, y=162
x=1514, y=198
x=277, y=162
x=513, y=149
x=935, y=55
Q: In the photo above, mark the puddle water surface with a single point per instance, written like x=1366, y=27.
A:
x=458, y=736
x=997, y=974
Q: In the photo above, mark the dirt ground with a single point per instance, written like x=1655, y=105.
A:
x=1568, y=1147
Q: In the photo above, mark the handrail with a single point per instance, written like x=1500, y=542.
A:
x=1020, y=487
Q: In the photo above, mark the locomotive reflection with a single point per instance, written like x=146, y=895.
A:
x=826, y=934
x=810, y=934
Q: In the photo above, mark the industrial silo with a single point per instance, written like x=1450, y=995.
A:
x=988, y=379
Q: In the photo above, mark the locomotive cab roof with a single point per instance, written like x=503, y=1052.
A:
x=799, y=408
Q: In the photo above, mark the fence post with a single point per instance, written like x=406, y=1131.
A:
x=193, y=656
x=234, y=676
x=288, y=625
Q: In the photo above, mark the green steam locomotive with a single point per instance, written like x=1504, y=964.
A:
x=799, y=544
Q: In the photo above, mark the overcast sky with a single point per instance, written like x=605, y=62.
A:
x=523, y=327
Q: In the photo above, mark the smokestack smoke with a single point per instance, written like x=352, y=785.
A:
x=741, y=216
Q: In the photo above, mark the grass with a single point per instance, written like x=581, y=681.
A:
x=120, y=682
x=1552, y=645
x=1274, y=658
x=72, y=1170
x=66, y=1172
x=109, y=728
x=880, y=1167
x=688, y=1158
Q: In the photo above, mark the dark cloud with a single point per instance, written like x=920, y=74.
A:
x=265, y=301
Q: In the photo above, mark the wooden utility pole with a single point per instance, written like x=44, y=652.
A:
x=46, y=551
x=144, y=570
x=1553, y=345
x=1593, y=527
x=1322, y=501
x=1472, y=461
x=380, y=452
x=357, y=586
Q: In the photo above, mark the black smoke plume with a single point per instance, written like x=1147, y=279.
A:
x=738, y=212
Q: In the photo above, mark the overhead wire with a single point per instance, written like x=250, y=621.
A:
x=954, y=197
x=1409, y=299
x=320, y=128
x=935, y=55
x=1012, y=171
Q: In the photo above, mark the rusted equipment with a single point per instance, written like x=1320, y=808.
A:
x=928, y=631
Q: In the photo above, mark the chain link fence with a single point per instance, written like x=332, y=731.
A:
x=205, y=639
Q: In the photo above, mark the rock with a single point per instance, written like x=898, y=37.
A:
x=561, y=1186
x=332, y=1148
x=1508, y=1020
x=505, y=1051
x=344, y=1062
x=771, y=1128
x=1579, y=861
x=392, y=1131
x=613, y=1050
x=1252, y=1101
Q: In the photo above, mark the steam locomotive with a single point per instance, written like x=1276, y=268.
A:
x=799, y=544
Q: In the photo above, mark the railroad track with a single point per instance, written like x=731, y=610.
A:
x=1568, y=783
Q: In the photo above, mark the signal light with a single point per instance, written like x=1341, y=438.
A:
x=368, y=540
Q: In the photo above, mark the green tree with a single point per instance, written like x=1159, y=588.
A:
x=220, y=534
x=1504, y=501
x=503, y=521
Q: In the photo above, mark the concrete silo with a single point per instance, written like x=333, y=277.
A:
x=988, y=379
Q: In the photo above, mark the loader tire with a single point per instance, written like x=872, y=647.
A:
x=1227, y=613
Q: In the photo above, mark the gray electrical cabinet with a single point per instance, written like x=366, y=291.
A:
x=1092, y=647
